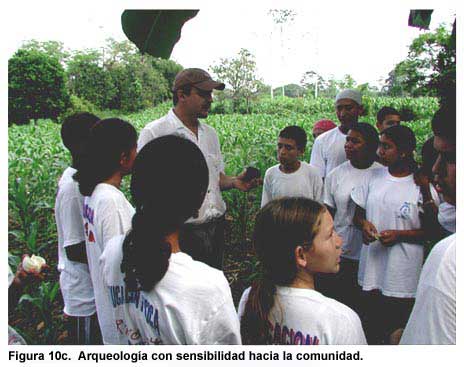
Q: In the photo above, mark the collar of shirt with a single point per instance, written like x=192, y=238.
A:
x=179, y=125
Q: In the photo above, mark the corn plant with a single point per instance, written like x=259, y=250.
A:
x=42, y=302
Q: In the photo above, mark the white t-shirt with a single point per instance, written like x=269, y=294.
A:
x=306, y=317
x=107, y=213
x=328, y=151
x=337, y=194
x=213, y=205
x=305, y=181
x=191, y=304
x=433, y=318
x=75, y=283
x=391, y=203
x=447, y=216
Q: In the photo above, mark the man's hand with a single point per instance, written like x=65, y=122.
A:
x=369, y=232
x=242, y=185
x=389, y=238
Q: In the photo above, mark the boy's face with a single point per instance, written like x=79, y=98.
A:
x=287, y=151
x=388, y=121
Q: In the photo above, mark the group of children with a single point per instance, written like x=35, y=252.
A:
x=341, y=252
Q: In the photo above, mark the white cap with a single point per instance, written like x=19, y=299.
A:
x=352, y=94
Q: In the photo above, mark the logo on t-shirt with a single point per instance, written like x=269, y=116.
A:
x=89, y=233
x=405, y=211
x=285, y=336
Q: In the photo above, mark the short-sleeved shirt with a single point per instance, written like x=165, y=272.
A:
x=305, y=182
x=391, y=203
x=306, y=317
x=75, y=283
x=191, y=304
x=447, y=216
x=328, y=151
x=213, y=205
x=107, y=213
x=433, y=318
x=337, y=194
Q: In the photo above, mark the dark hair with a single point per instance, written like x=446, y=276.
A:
x=108, y=139
x=405, y=141
x=296, y=133
x=444, y=122
x=75, y=131
x=384, y=111
x=281, y=226
x=168, y=185
x=187, y=89
x=429, y=157
x=370, y=135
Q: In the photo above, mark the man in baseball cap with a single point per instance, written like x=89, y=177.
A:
x=203, y=235
x=328, y=149
x=198, y=78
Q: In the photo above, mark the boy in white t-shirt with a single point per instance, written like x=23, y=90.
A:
x=291, y=177
x=75, y=283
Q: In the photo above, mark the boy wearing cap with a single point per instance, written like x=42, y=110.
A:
x=322, y=126
x=203, y=235
x=328, y=149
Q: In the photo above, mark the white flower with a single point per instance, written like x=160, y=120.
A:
x=33, y=264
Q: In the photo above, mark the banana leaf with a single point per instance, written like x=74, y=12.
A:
x=155, y=32
x=420, y=18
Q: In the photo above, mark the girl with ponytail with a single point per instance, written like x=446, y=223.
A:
x=159, y=294
x=109, y=155
x=294, y=240
x=389, y=212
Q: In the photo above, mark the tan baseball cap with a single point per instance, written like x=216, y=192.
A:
x=198, y=78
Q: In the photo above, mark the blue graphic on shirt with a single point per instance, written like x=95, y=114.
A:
x=119, y=296
x=405, y=211
x=88, y=213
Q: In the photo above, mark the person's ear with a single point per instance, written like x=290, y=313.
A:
x=125, y=156
x=301, y=151
x=300, y=257
x=180, y=94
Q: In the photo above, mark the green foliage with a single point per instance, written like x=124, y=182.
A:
x=317, y=86
x=88, y=79
x=290, y=90
x=167, y=68
x=155, y=31
x=139, y=85
x=240, y=74
x=36, y=87
x=52, y=48
x=42, y=302
x=78, y=104
x=429, y=69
